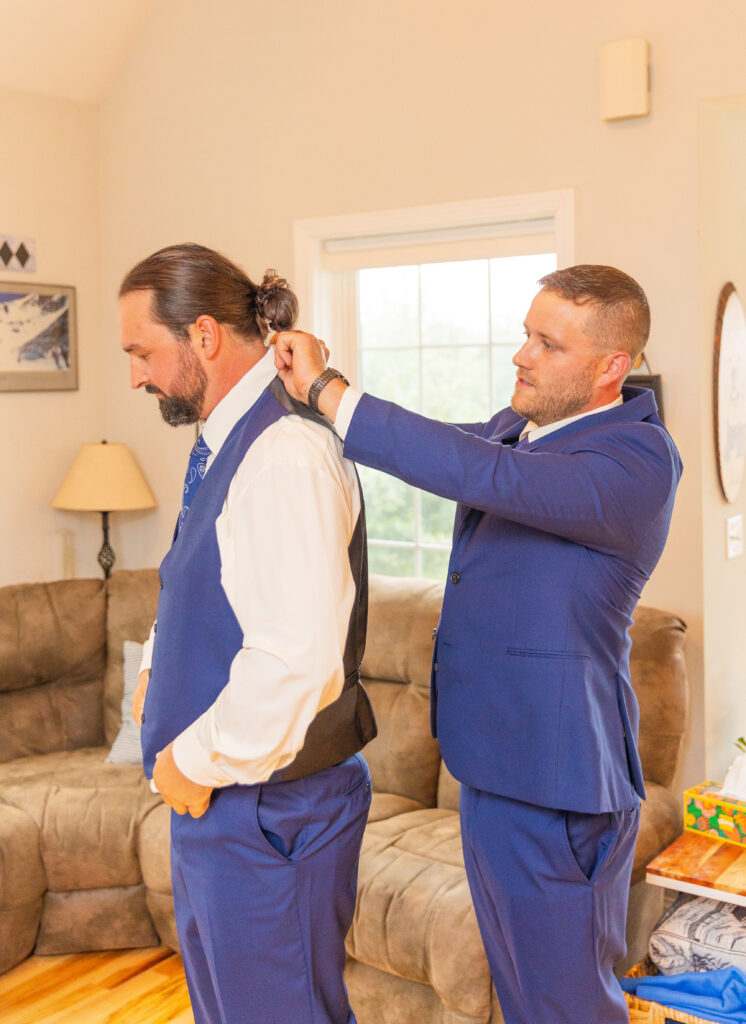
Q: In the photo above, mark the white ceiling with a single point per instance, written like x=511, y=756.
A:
x=71, y=49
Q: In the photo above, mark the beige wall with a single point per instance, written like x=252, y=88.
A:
x=49, y=192
x=231, y=120
x=722, y=230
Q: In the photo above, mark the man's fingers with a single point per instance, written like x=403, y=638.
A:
x=197, y=810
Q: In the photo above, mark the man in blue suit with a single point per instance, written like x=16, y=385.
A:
x=565, y=500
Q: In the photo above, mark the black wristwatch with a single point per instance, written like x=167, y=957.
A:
x=320, y=383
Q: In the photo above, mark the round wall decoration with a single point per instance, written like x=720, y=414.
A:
x=729, y=387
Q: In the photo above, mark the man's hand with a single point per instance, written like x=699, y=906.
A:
x=299, y=358
x=138, y=699
x=177, y=790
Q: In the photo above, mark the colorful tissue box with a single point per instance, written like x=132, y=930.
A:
x=710, y=814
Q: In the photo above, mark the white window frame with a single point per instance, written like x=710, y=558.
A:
x=440, y=222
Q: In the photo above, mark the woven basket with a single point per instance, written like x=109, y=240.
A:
x=643, y=1012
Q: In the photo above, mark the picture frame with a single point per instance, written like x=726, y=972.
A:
x=652, y=381
x=729, y=391
x=38, y=337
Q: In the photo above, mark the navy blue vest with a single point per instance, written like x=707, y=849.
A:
x=198, y=634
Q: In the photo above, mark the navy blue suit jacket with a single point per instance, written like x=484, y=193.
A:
x=552, y=546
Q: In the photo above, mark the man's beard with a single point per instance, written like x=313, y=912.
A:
x=552, y=402
x=186, y=402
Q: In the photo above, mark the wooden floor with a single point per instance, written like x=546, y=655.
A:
x=142, y=986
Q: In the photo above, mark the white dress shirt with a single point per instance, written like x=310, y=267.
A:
x=283, y=535
x=350, y=398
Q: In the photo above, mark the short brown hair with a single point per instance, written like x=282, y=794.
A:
x=620, y=314
x=190, y=280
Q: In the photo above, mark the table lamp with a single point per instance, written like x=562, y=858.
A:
x=104, y=478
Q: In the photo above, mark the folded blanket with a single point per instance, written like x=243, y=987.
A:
x=718, y=996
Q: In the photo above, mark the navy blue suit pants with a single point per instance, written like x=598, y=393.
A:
x=550, y=890
x=264, y=892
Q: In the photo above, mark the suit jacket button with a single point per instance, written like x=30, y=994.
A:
x=435, y=666
x=455, y=577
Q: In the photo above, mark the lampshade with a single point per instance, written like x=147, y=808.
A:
x=104, y=478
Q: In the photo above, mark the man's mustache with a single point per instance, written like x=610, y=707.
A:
x=153, y=390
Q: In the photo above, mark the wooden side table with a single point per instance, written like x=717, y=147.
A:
x=703, y=866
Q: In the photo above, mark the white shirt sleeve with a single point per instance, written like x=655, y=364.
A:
x=147, y=652
x=345, y=409
x=283, y=536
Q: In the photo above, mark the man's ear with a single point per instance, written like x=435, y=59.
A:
x=205, y=336
x=616, y=367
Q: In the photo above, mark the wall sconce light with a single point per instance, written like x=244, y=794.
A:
x=625, y=79
x=104, y=478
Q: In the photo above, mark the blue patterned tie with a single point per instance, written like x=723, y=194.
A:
x=195, y=474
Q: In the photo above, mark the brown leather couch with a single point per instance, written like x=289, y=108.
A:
x=84, y=844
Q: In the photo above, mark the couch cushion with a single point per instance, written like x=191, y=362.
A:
x=51, y=631
x=449, y=789
x=413, y=901
x=660, y=824
x=51, y=666
x=87, y=813
x=22, y=885
x=72, y=763
x=658, y=674
x=131, y=605
x=386, y=805
x=83, y=921
x=404, y=758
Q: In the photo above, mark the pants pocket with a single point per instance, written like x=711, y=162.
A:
x=280, y=821
x=591, y=838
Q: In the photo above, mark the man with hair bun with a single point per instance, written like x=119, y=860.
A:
x=565, y=500
x=251, y=708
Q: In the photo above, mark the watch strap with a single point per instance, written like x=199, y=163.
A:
x=319, y=384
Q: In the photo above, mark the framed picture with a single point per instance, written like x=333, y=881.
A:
x=38, y=337
x=729, y=391
x=652, y=381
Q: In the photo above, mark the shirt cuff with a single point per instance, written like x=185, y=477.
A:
x=347, y=406
x=195, y=762
x=147, y=652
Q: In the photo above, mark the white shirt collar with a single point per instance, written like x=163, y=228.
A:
x=534, y=433
x=239, y=400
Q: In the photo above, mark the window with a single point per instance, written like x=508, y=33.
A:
x=437, y=338
x=431, y=319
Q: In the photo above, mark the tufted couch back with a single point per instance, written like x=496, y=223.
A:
x=64, y=691
x=404, y=758
x=52, y=653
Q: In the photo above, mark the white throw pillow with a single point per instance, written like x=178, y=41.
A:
x=126, y=747
x=697, y=934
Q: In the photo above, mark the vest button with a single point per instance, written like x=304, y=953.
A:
x=435, y=632
x=455, y=577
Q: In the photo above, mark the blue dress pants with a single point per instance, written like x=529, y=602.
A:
x=264, y=892
x=550, y=890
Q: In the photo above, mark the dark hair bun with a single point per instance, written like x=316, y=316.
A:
x=276, y=302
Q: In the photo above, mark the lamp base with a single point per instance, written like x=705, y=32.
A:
x=106, y=556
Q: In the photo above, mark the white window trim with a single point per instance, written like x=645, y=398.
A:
x=309, y=236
